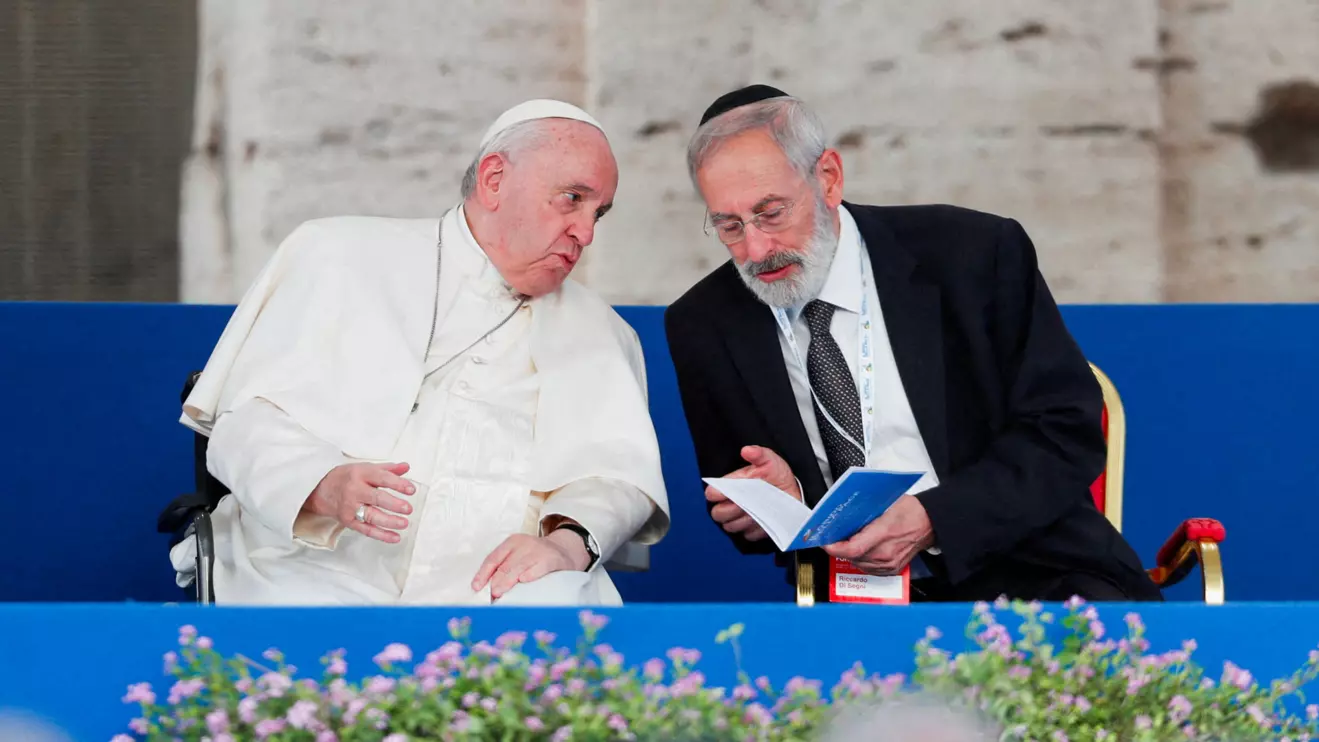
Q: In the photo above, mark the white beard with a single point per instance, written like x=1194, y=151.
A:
x=813, y=267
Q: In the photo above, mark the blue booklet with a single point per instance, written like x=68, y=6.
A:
x=858, y=497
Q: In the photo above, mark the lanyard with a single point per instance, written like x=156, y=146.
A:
x=866, y=367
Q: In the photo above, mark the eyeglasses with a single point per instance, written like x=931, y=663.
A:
x=731, y=231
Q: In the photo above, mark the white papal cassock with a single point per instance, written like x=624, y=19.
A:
x=325, y=362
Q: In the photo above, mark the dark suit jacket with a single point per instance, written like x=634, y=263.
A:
x=1007, y=406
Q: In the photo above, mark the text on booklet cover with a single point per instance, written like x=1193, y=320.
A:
x=858, y=497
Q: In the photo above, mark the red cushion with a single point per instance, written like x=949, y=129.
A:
x=1194, y=529
x=1097, y=489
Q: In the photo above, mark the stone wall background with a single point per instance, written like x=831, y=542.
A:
x=1156, y=150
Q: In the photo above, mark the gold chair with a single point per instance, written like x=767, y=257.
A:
x=1194, y=542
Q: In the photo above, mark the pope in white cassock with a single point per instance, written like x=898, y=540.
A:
x=429, y=411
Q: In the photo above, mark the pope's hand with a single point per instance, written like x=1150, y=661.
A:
x=350, y=486
x=765, y=465
x=523, y=558
x=889, y=542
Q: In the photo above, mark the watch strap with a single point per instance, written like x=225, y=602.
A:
x=587, y=540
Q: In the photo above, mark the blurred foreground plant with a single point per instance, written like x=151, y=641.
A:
x=1088, y=688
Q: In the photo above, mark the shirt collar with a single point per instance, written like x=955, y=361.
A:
x=473, y=262
x=842, y=287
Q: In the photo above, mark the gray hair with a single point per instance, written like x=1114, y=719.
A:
x=793, y=126
x=510, y=142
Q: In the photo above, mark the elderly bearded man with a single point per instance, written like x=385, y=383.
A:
x=929, y=338
x=428, y=411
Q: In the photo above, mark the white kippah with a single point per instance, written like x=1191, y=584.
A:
x=541, y=108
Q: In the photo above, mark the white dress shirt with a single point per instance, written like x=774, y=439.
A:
x=896, y=442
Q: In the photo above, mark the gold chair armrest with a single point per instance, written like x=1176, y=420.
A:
x=1204, y=552
x=805, y=582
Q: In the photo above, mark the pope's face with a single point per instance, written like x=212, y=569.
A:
x=549, y=203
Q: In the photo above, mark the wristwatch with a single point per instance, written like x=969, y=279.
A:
x=587, y=539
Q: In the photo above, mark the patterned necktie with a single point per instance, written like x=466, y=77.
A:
x=831, y=378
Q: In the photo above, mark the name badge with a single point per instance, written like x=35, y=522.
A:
x=847, y=584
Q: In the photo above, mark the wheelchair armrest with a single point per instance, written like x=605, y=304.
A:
x=182, y=512
x=1194, y=542
x=630, y=557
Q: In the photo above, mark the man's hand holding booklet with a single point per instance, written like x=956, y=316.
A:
x=856, y=499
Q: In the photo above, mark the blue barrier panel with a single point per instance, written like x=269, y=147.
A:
x=1219, y=401
x=72, y=663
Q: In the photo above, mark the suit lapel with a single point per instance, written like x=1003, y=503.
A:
x=751, y=336
x=914, y=320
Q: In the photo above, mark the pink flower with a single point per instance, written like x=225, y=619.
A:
x=394, y=653
x=1143, y=722
x=533, y=724
x=458, y=627
x=247, y=710
x=562, y=735
x=1189, y=646
x=379, y=686
x=171, y=662
x=758, y=715
x=933, y=634
x=1134, y=623
x=327, y=736
x=140, y=693
x=511, y=639
x=1059, y=735
x=618, y=723
x=544, y=637
x=1097, y=629
x=687, y=684
x=592, y=621
x=1236, y=676
x=122, y=738
x=187, y=634
x=139, y=726
x=1180, y=707
x=1312, y=712
x=489, y=704
x=744, y=693
x=553, y=693
x=204, y=642
x=654, y=669
x=185, y=689
x=981, y=608
x=337, y=666
x=355, y=707
x=1253, y=712
x=1081, y=704
x=274, y=655
x=678, y=655
x=762, y=683
x=396, y=737
x=274, y=683
x=217, y=721
x=302, y=715
x=1074, y=602
x=268, y=727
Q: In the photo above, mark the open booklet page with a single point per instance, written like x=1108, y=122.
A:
x=858, y=497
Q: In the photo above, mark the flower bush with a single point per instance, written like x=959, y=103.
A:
x=1090, y=687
